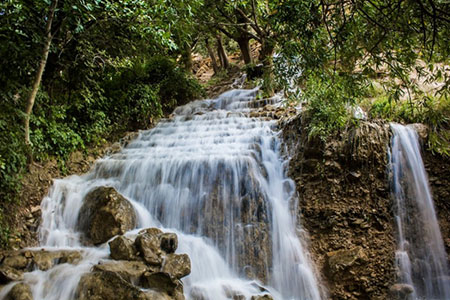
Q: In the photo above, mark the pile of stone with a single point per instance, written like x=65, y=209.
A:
x=143, y=268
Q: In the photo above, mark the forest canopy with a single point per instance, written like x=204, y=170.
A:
x=74, y=72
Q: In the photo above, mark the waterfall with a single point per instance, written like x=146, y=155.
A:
x=214, y=176
x=421, y=259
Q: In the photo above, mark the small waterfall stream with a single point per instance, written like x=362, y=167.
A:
x=216, y=178
x=420, y=257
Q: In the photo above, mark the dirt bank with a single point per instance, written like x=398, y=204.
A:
x=344, y=204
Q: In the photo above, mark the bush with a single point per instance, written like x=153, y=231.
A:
x=52, y=134
x=430, y=110
x=13, y=156
x=327, y=99
x=157, y=85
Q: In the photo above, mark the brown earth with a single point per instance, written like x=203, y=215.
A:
x=345, y=206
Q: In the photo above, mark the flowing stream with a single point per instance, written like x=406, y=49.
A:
x=420, y=257
x=215, y=177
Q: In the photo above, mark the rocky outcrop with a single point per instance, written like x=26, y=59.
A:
x=15, y=263
x=438, y=170
x=144, y=267
x=104, y=214
x=344, y=204
x=147, y=262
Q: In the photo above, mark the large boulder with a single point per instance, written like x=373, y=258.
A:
x=20, y=291
x=100, y=285
x=131, y=271
x=104, y=214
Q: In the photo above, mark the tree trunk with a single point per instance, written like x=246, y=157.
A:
x=40, y=70
x=212, y=56
x=186, y=56
x=266, y=57
x=244, y=46
x=222, y=54
x=243, y=40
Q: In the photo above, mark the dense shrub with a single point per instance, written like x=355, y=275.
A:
x=328, y=99
x=70, y=114
x=430, y=110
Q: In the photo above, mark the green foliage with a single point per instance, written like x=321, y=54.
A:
x=12, y=151
x=4, y=231
x=328, y=100
x=157, y=85
x=430, y=110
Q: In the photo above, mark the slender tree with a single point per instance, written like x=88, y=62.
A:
x=38, y=77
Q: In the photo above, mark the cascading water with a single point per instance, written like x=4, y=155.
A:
x=420, y=257
x=215, y=177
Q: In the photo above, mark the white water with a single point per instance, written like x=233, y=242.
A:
x=420, y=257
x=215, y=177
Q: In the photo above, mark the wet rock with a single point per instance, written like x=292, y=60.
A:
x=148, y=245
x=162, y=282
x=8, y=274
x=69, y=257
x=263, y=297
x=122, y=248
x=339, y=260
x=177, y=265
x=169, y=242
x=401, y=291
x=104, y=214
x=20, y=291
x=44, y=260
x=100, y=285
x=131, y=271
x=151, y=231
x=17, y=261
